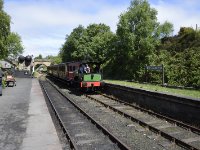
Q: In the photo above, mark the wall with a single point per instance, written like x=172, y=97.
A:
x=181, y=108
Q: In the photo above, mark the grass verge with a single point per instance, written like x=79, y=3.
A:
x=158, y=88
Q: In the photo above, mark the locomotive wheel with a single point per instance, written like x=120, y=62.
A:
x=71, y=83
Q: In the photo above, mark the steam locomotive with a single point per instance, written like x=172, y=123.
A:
x=75, y=74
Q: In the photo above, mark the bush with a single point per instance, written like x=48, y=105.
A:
x=3, y=83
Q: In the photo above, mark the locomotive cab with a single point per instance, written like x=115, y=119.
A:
x=91, y=79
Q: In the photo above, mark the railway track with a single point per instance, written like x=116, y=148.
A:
x=176, y=122
x=175, y=131
x=81, y=130
x=180, y=108
x=134, y=134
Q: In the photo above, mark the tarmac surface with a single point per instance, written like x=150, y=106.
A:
x=25, y=122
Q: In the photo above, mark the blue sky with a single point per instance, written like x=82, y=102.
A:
x=43, y=24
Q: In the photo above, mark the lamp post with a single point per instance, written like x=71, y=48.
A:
x=0, y=82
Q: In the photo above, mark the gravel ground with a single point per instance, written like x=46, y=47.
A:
x=86, y=135
x=13, y=114
x=63, y=140
x=154, y=121
x=129, y=132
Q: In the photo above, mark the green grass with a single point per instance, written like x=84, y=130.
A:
x=158, y=88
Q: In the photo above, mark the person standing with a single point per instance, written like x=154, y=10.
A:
x=87, y=68
x=81, y=68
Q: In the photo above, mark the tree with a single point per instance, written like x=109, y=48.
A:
x=39, y=56
x=14, y=45
x=95, y=43
x=54, y=59
x=185, y=30
x=72, y=44
x=4, y=31
x=165, y=29
x=91, y=43
x=180, y=54
x=138, y=34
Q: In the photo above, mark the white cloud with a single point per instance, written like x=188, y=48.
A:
x=179, y=14
x=49, y=46
x=43, y=25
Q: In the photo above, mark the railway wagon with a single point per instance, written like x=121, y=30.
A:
x=76, y=73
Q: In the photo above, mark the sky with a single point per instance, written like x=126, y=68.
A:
x=44, y=24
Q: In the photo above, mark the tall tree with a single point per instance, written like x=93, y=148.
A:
x=165, y=29
x=181, y=57
x=72, y=44
x=4, y=31
x=91, y=43
x=14, y=45
x=138, y=35
x=39, y=56
x=95, y=43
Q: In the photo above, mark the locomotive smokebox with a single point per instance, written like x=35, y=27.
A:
x=28, y=60
x=21, y=59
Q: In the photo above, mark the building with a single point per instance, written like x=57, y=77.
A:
x=5, y=64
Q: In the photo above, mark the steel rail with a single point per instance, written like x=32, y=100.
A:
x=66, y=132
x=142, y=123
x=178, y=123
x=112, y=137
x=169, y=137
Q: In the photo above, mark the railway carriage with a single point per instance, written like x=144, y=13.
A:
x=54, y=70
x=71, y=72
x=61, y=70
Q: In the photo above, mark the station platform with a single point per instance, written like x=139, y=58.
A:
x=25, y=122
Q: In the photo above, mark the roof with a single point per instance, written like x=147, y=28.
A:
x=5, y=64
